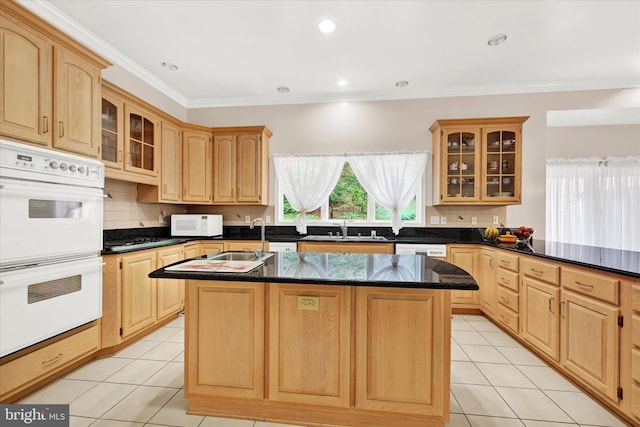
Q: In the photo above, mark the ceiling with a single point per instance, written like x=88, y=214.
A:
x=239, y=52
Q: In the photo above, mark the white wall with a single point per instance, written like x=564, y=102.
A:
x=403, y=125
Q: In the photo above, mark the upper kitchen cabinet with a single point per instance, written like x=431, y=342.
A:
x=241, y=165
x=197, y=172
x=477, y=161
x=131, y=133
x=36, y=62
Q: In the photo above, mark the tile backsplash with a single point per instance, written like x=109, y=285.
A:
x=121, y=210
x=463, y=216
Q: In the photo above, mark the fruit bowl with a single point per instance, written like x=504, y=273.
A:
x=524, y=235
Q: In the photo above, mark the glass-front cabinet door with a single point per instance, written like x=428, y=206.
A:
x=462, y=163
x=142, y=135
x=501, y=172
x=112, y=116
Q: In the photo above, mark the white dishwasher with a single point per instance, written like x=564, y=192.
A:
x=432, y=250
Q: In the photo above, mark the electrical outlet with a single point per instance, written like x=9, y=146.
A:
x=160, y=218
x=496, y=220
x=435, y=219
x=247, y=219
x=443, y=220
x=474, y=220
x=267, y=219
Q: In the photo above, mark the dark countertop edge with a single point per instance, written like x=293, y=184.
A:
x=415, y=240
x=248, y=277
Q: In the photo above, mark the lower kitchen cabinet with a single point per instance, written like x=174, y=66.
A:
x=170, y=293
x=634, y=349
x=346, y=247
x=465, y=257
x=132, y=302
x=540, y=320
x=488, y=285
x=395, y=370
x=309, y=344
x=138, y=292
x=23, y=374
x=243, y=245
x=225, y=339
x=590, y=342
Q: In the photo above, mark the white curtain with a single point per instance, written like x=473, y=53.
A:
x=307, y=182
x=594, y=202
x=390, y=178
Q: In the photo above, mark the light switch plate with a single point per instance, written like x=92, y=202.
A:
x=474, y=220
x=496, y=220
x=435, y=219
x=247, y=219
x=267, y=219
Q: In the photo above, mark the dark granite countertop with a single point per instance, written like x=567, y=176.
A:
x=606, y=259
x=398, y=271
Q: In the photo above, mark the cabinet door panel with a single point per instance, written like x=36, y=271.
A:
x=488, y=285
x=464, y=258
x=225, y=339
x=224, y=172
x=78, y=105
x=196, y=171
x=138, y=292
x=309, y=349
x=539, y=316
x=25, y=89
x=171, y=163
x=249, y=168
x=169, y=291
x=590, y=342
x=399, y=368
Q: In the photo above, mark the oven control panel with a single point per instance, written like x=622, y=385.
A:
x=27, y=162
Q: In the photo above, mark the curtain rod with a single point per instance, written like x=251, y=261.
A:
x=351, y=154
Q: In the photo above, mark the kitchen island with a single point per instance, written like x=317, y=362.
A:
x=322, y=339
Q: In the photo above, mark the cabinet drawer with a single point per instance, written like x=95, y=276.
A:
x=26, y=370
x=508, y=279
x=508, y=261
x=508, y=298
x=508, y=318
x=541, y=270
x=598, y=286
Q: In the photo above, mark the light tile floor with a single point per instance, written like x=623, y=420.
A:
x=495, y=382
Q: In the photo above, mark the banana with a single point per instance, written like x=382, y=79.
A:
x=491, y=233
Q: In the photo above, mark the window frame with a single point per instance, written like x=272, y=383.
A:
x=371, y=209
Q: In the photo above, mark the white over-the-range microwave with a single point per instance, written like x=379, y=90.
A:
x=196, y=225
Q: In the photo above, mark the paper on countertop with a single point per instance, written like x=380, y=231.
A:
x=215, y=266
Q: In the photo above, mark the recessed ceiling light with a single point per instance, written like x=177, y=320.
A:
x=283, y=89
x=342, y=83
x=402, y=83
x=169, y=66
x=496, y=40
x=327, y=26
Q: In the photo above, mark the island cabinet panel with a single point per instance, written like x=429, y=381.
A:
x=590, y=346
x=402, y=350
x=225, y=339
x=309, y=344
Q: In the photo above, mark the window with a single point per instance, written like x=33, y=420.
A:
x=594, y=202
x=349, y=201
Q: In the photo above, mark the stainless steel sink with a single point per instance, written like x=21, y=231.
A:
x=240, y=256
x=345, y=239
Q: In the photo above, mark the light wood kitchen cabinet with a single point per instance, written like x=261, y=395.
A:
x=141, y=140
x=197, y=172
x=508, y=296
x=112, y=129
x=309, y=344
x=170, y=169
x=590, y=342
x=477, y=161
x=241, y=165
x=409, y=381
x=465, y=257
x=138, y=292
x=37, y=61
x=539, y=315
x=170, y=293
x=634, y=349
x=23, y=373
x=25, y=88
x=488, y=285
x=78, y=104
x=214, y=248
x=346, y=247
x=230, y=360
